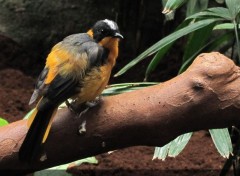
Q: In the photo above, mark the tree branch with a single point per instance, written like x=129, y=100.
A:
x=205, y=96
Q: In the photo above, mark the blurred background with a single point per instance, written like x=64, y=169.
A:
x=29, y=29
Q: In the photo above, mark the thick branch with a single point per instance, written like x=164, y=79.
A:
x=205, y=96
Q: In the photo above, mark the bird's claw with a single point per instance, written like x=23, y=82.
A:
x=81, y=110
x=82, y=127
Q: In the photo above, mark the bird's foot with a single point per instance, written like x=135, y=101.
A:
x=95, y=102
x=80, y=110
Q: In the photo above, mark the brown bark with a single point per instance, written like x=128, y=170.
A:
x=205, y=96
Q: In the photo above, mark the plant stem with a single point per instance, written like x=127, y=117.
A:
x=237, y=39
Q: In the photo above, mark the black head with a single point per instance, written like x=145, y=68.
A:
x=105, y=28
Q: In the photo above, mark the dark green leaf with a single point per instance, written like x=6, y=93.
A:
x=165, y=41
x=157, y=58
x=216, y=43
x=215, y=12
x=161, y=53
x=196, y=41
x=196, y=6
x=234, y=7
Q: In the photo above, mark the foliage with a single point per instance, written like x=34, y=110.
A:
x=3, y=122
x=61, y=170
x=207, y=29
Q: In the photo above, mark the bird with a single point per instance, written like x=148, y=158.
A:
x=77, y=68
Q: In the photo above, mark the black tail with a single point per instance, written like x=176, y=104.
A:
x=32, y=145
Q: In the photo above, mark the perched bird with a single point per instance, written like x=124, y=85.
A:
x=79, y=68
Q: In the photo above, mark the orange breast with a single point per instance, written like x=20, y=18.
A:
x=94, y=83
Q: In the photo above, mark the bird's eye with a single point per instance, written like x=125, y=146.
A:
x=102, y=31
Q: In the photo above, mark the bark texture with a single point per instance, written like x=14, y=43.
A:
x=205, y=96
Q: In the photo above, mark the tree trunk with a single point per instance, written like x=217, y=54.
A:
x=205, y=96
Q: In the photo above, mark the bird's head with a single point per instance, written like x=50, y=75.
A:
x=105, y=29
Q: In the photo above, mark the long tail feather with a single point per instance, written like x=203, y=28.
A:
x=32, y=144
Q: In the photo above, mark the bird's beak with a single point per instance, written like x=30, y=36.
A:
x=118, y=35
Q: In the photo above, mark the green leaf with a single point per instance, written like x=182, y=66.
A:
x=215, y=44
x=172, y=5
x=225, y=26
x=222, y=141
x=196, y=6
x=215, y=12
x=178, y=144
x=61, y=170
x=165, y=41
x=125, y=87
x=3, y=122
x=161, y=53
x=196, y=41
x=220, y=12
x=161, y=152
x=234, y=7
x=156, y=59
x=173, y=148
x=220, y=41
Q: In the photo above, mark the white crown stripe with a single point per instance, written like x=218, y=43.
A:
x=110, y=23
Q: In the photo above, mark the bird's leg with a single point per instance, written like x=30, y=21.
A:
x=88, y=105
x=95, y=102
x=73, y=106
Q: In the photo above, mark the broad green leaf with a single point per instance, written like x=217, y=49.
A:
x=221, y=12
x=178, y=144
x=54, y=171
x=3, y=122
x=172, y=5
x=156, y=59
x=161, y=53
x=165, y=41
x=215, y=44
x=161, y=152
x=61, y=170
x=196, y=41
x=173, y=148
x=225, y=26
x=234, y=7
x=222, y=141
x=196, y=6
x=215, y=12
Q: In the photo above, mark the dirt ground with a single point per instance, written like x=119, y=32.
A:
x=198, y=158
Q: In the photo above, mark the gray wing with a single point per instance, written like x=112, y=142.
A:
x=80, y=43
x=39, y=86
